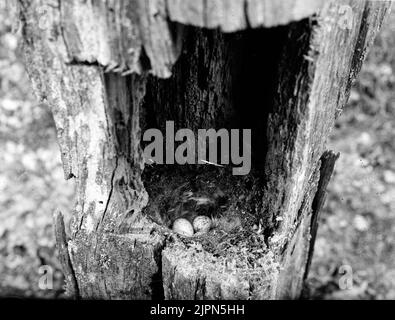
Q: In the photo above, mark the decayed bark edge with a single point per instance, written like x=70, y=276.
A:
x=309, y=102
x=328, y=161
x=136, y=35
x=63, y=255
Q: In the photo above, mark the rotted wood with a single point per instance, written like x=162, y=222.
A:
x=132, y=36
x=323, y=81
x=96, y=116
x=319, y=61
x=232, y=16
x=81, y=65
x=63, y=255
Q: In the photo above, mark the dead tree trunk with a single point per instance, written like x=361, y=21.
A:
x=112, y=69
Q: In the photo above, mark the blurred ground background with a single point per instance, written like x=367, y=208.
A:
x=357, y=227
x=31, y=179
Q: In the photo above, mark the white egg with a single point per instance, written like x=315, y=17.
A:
x=202, y=224
x=183, y=227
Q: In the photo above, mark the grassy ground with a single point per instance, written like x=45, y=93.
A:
x=357, y=230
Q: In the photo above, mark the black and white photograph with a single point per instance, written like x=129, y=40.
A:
x=218, y=151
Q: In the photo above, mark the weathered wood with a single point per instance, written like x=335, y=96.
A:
x=78, y=65
x=134, y=35
x=236, y=15
x=217, y=83
x=319, y=61
x=311, y=94
x=97, y=120
x=327, y=167
x=197, y=275
x=63, y=254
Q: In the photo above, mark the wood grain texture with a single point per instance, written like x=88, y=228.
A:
x=130, y=36
x=328, y=161
x=63, y=254
x=97, y=121
x=230, y=16
x=318, y=64
x=312, y=92
x=198, y=275
x=79, y=65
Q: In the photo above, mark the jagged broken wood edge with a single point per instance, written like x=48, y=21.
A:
x=63, y=255
x=136, y=35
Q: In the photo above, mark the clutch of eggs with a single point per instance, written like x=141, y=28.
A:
x=201, y=225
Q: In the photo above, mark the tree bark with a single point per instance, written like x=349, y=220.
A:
x=111, y=69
